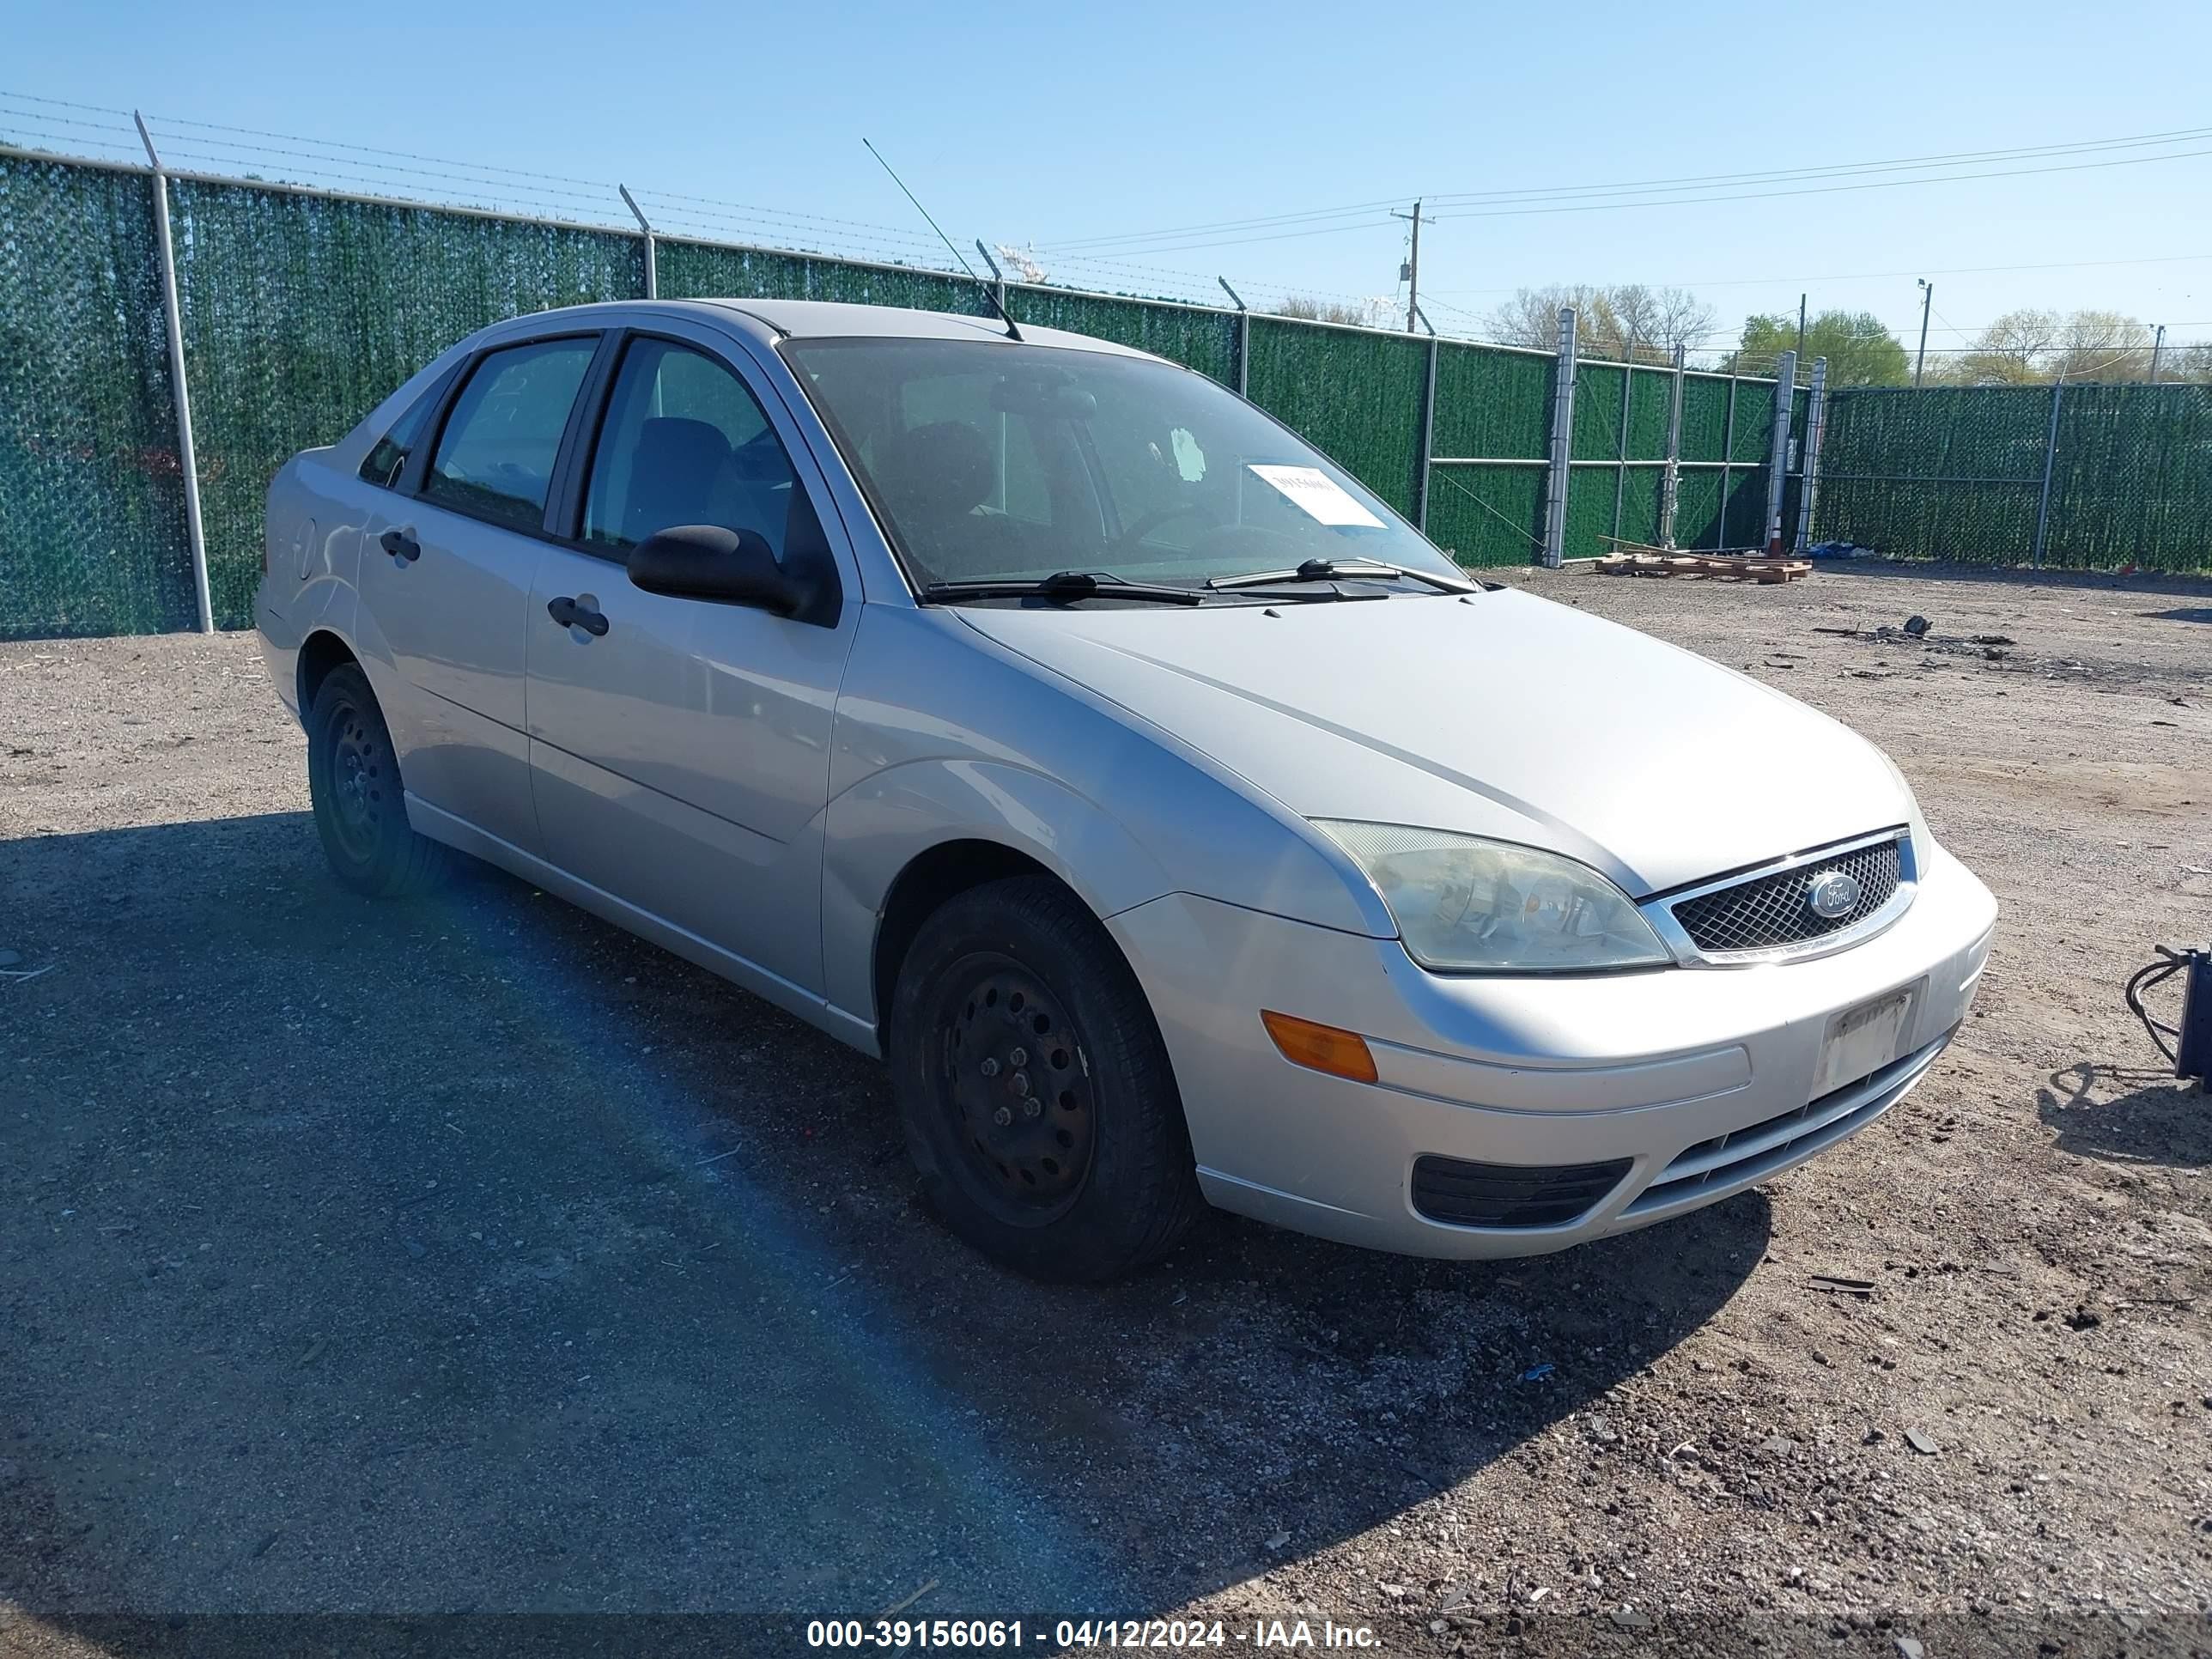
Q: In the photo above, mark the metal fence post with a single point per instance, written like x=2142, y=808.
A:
x=1670, y=481
x=1808, y=452
x=652, y=253
x=1621, y=443
x=187, y=460
x=2050, y=454
x=1777, y=467
x=1728, y=468
x=1243, y=337
x=1563, y=437
x=1428, y=438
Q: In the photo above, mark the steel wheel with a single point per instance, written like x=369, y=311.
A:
x=1013, y=1076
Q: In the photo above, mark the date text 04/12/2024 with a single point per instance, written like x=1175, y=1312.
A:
x=1014, y=1635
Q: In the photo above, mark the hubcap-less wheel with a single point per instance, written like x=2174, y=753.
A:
x=1015, y=1078
x=354, y=779
x=360, y=772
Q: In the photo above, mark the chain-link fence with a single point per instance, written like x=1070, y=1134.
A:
x=2078, y=476
x=300, y=309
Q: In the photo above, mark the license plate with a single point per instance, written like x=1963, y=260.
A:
x=1864, y=1039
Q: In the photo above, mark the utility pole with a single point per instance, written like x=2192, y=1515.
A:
x=1412, y=272
x=1801, y=328
x=2156, y=346
x=1927, y=304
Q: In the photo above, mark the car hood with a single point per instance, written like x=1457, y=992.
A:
x=1500, y=714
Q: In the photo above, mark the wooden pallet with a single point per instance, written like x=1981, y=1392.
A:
x=1732, y=566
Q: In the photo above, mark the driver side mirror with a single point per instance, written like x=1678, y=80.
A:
x=707, y=561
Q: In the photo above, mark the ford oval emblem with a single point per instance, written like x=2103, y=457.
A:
x=1833, y=894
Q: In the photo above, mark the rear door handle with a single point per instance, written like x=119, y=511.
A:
x=401, y=546
x=566, y=613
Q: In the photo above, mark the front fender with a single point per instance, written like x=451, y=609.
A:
x=878, y=827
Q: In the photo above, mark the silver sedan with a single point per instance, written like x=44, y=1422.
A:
x=1179, y=825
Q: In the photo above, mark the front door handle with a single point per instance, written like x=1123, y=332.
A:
x=566, y=611
x=401, y=546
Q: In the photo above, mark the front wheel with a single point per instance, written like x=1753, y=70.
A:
x=1033, y=1089
x=360, y=809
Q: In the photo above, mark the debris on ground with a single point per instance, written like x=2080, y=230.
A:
x=1920, y=1443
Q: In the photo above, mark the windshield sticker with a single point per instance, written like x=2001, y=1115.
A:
x=1318, y=495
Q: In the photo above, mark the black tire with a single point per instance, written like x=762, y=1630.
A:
x=353, y=778
x=1098, y=1179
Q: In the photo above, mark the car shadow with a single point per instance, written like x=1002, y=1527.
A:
x=2128, y=1113
x=472, y=1255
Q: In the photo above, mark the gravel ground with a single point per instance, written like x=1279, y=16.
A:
x=474, y=1257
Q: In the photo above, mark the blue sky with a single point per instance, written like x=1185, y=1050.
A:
x=1050, y=124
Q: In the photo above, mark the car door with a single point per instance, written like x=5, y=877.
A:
x=680, y=747
x=446, y=568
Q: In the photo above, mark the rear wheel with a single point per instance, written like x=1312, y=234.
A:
x=1033, y=1089
x=361, y=811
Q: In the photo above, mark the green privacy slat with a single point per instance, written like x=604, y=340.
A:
x=1640, y=490
x=1487, y=516
x=1698, y=509
x=92, y=518
x=1199, y=339
x=693, y=270
x=1745, y=524
x=1353, y=393
x=1704, y=417
x=1957, y=473
x=1598, y=388
x=1754, y=422
x=1492, y=403
x=302, y=312
x=1647, y=415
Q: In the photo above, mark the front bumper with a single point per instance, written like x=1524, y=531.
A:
x=1702, y=1079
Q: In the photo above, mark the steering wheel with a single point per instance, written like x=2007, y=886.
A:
x=1151, y=521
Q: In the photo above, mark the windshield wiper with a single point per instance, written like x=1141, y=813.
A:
x=1325, y=570
x=1063, y=585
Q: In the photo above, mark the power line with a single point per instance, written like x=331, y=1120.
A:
x=1369, y=210
x=1876, y=275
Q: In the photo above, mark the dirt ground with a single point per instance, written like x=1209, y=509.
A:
x=475, y=1258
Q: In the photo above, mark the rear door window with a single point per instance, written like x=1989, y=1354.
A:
x=495, y=458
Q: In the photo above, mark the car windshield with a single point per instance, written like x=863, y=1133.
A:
x=990, y=461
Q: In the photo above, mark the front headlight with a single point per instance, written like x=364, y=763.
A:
x=1463, y=904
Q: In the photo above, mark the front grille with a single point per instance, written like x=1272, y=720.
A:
x=1767, y=912
x=1468, y=1195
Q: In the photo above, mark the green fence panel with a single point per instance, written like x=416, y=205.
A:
x=302, y=312
x=1754, y=422
x=92, y=515
x=1198, y=338
x=1598, y=391
x=1744, y=524
x=1641, y=488
x=2132, y=480
x=1353, y=393
x=1704, y=417
x=1487, y=516
x=1651, y=401
x=1492, y=403
x=1698, y=508
x=685, y=269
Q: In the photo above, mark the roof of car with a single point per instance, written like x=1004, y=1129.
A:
x=831, y=320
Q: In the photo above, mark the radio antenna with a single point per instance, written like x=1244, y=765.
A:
x=989, y=292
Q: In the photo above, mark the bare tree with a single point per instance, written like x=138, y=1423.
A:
x=2103, y=345
x=1607, y=318
x=1359, y=314
x=2028, y=347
